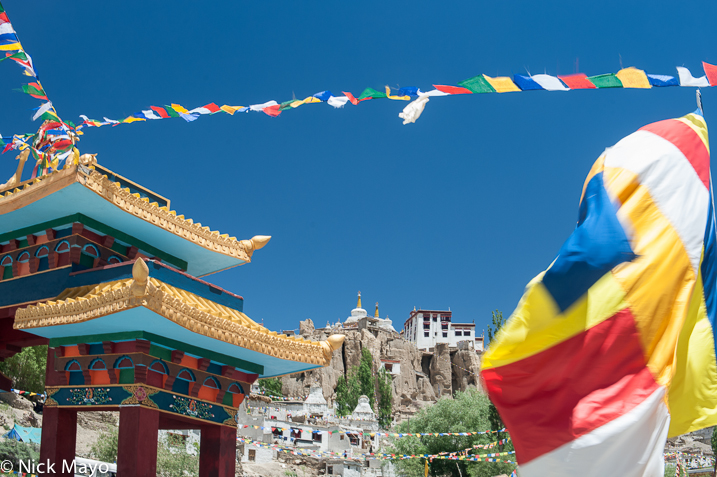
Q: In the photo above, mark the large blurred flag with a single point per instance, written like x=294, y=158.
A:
x=612, y=348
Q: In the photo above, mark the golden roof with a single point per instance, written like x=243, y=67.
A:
x=132, y=203
x=190, y=311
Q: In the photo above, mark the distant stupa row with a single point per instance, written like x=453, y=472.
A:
x=358, y=313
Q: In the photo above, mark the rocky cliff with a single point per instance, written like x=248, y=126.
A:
x=422, y=379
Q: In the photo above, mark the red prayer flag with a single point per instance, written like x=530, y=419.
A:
x=711, y=72
x=162, y=113
x=7, y=148
x=273, y=111
x=3, y=18
x=577, y=81
x=452, y=89
x=212, y=107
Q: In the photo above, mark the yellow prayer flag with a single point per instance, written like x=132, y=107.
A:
x=502, y=84
x=633, y=78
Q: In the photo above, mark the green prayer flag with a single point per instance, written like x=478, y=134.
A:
x=286, y=105
x=371, y=93
x=477, y=84
x=2, y=10
x=20, y=55
x=70, y=123
x=1, y=142
x=170, y=110
x=50, y=116
x=606, y=81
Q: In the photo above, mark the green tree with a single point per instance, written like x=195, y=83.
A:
x=497, y=323
x=271, y=386
x=105, y=447
x=465, y=412
x=348, y=392
x=173, y=460
x=27, y=369
x=385, y=398
x=366, y=378
x=15, y=451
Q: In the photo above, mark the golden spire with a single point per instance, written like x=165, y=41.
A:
x=375, y=315
x=359, y=300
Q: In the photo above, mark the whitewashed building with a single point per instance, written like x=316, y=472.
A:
x=426, y=328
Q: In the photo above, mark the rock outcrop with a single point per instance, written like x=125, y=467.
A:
x=422, y=379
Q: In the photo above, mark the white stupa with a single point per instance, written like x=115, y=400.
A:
x=315, y=403
x=359, y=313
x=363, y=411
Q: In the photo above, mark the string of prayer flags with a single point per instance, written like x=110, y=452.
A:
x=626, y=78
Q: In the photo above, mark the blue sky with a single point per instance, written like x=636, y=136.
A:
x=459, y=210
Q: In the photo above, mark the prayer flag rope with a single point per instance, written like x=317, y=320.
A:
x=625, y=78
x=47, y=149
x=376, y=434
x=379, y=456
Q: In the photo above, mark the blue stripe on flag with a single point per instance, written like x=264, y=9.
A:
x=598, y=244
x=526, y=83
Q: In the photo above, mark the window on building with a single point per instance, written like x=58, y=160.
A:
x=426, y=334
x=341, y=437
x=296, y=433
x=330, y=469
x=388, y=366
x=445, y=335
x=459, y=333
x=353, y=439
x=444, y=326
x=426, y=326
x=435, y=318
x=466, y=332
x=252, y=455
x=277, y=432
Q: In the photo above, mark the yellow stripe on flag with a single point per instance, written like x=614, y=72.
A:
x=311, y=99
x=179, y=109
x=11, y=47
x=697, y=123
x=633, y=78
x=536, y=324
x=692, y=397
x=502, y=84
x=230, y=109
x=658, y=304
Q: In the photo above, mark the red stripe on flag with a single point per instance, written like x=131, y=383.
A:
x=688, y=142
x=452, y=89
x=577, y=81
x=272, y=110
x=572, y=388
x=711, y=72
x=212, y=107
x=162, y=113
x=353, y=99
x=3, y=18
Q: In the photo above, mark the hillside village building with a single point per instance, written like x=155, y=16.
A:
x=426, y=328
x=310, y=425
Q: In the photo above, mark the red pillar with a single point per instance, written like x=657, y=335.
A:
x=137, y=442
x=217, y=451
x=59, y=435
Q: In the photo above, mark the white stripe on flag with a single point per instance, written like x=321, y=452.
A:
x=629, y=446
x=550, y=83
x=149, y=114
x=686, y=78
x=673, y=184
x=338, y=101
x=259, y=107
x=6, y=28
x=42, y=110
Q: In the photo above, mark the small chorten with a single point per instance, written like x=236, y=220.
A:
x=375, y=315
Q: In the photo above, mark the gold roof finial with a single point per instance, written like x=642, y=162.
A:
x=375, y=315
x=359, y=300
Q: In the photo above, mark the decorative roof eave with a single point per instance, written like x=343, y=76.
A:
x=133, y=204
x=179, y=306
